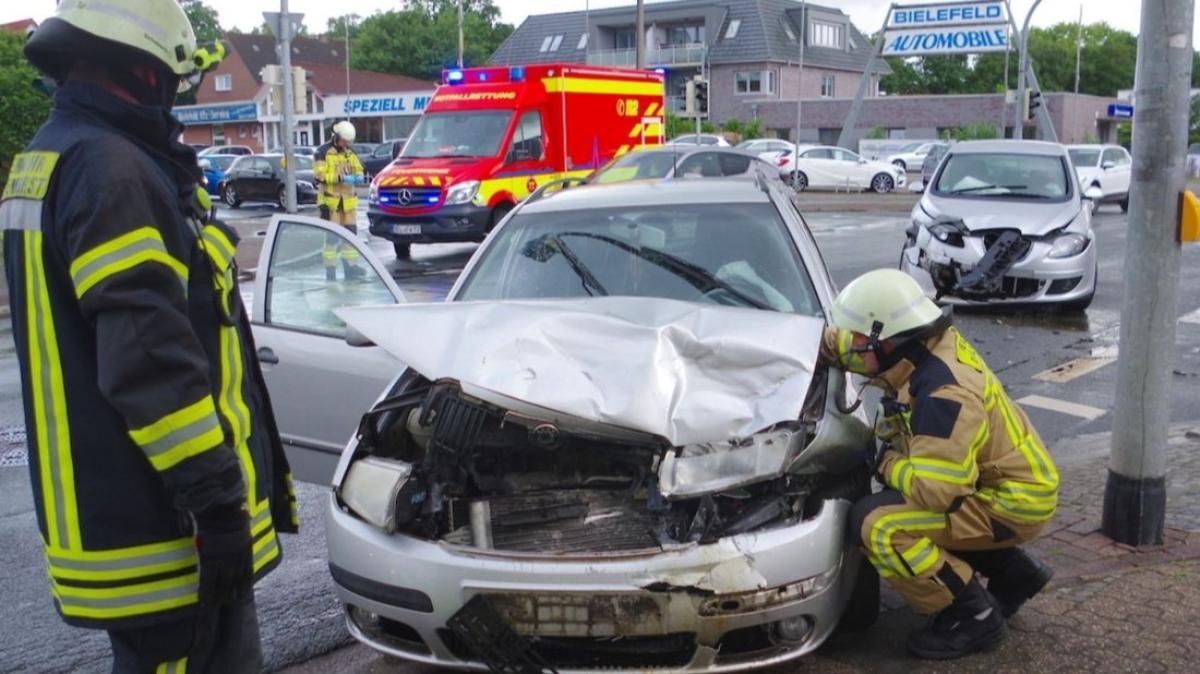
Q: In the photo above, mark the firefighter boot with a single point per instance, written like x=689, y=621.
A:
x=352, y=271
x=1014, y=576
x=971, y=624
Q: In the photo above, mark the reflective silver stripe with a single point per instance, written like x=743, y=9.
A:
x=180, y=436
x=259, y=519
x=922, y=556
x=81, y=274
x=261, y=556
x=883, y=535
x=127, y=600
x=21, y=214
x=126, y=563
x=958, y=474
x=904, y=311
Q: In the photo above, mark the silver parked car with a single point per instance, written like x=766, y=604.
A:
x=674, y=161
x=611, y=448
x=1004, y=221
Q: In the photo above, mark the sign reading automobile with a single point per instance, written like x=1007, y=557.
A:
x=950, y=28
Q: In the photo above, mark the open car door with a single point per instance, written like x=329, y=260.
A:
x=319, y=385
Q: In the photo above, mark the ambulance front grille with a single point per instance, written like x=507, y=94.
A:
x=410, y=197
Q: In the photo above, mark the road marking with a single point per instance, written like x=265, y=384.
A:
x=1076, y=368
x=1193, y=317
x=1063, y=407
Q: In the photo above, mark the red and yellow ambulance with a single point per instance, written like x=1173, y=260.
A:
x=491, y=136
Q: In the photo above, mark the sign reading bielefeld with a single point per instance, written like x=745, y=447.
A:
x=946, y=28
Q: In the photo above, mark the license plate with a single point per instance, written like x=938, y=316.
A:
x=406, y=229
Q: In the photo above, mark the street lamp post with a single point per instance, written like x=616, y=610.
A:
x=800, y=92
x=1019, y=116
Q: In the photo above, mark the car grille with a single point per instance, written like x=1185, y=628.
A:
x=417, y=197
x=990, y=236
x=671, y=650
x=1014, y=287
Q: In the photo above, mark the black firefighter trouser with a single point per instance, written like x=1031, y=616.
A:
x=222, y=640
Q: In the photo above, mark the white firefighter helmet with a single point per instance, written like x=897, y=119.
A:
x=344, y=130
x=884, y=301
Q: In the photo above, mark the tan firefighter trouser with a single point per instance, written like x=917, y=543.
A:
x=911, y=547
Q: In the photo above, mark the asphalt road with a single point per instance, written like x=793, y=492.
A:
x=301, y=619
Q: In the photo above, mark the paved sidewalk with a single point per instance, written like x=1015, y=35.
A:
x=1109, y=608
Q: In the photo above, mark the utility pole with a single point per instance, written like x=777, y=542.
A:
x=800, y=90
x=346, y=22
x=1135, y=495
x=282, y=24
x=641, y=34
x=460, y=33
x=1078, y=47
x=1022, y=68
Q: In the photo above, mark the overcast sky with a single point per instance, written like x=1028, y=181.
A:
x=867, y=14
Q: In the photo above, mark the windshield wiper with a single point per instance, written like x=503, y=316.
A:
x=699, y=277
x=546, y=246
x=980, y=188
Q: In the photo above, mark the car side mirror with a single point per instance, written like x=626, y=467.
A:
x=1107, y=165
x=862, y=161
x=1093, y=193
x=357, y=339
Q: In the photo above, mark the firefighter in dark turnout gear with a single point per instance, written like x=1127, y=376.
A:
x=158, y=476
x=967, y=479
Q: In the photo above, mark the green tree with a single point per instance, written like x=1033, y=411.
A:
x=22, y=108
x=1194, y=123
x=421, y=38
x=204, y=20
x=927, y=75
x=971, y=132
x=335, y=27
x=753, y=129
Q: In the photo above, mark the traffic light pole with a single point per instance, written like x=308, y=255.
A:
x=1135, y=495
x=1019, y=115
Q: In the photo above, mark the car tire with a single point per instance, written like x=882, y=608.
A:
x=281, y=198
x=403, y=250
x=1125, y=204
x=862, y=609
x=497, y=215
x=801, y=182
x=900, y=163
x=231, y=196
x=882, y=183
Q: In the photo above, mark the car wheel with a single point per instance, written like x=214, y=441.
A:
x=403, y=250
x=801, y=182
x=900, y=163
x=882, y=183
x=231, y=196
x=862, y=609
x=1125, y=204
x=281, y=198
x=497, y=215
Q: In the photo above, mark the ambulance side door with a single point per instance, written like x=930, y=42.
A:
x=527, y=162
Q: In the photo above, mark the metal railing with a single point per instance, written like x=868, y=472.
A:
x=670, y=55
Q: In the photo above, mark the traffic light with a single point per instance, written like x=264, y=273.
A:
x=1033, y=101
x=299, y=90
x=702, y=98
x=272, y=76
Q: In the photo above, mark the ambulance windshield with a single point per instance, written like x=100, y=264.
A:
x=475, y=133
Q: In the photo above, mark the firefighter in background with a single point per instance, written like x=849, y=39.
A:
x=158, y=476
x=339, y=172
x=967, y=479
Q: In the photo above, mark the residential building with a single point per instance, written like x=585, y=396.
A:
x=234, y=107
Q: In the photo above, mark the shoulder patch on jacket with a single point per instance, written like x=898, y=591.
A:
x=934, y=416
x=932, y=374
x=29, y=177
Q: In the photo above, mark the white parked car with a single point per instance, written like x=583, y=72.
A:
x=828, y=167
x=1002, y=221
x=1106, y=167
x=765, y=146
x=700, y=139
x=912, y=157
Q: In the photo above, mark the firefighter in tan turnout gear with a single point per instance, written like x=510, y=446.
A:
x=338, y=173
x=967, y=479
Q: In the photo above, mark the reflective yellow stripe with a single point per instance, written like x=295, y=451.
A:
x=122, y=253
x=218, y=246
x=121, y=563
x=125, y=601
x=180, y=435
x=265, y=550
x=902, y=476
x=55, y=464
x=580, y=85
x=886, y=526
x=926, y=562
x=173, y=667
x=921, y=556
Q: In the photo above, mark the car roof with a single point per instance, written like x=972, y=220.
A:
x=1093, y=146
x=640, y=193
x=1033, y=147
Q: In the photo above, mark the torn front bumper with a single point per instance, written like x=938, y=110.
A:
x=1033, y=279
x=687, y=608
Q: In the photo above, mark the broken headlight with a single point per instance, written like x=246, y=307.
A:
x=373, y=488
x=694, y=470
x=948, y=233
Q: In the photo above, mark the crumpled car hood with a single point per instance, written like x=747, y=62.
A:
x=688, y=373
x=1031, y=217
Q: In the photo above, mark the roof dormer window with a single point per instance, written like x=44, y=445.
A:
x=732, y=31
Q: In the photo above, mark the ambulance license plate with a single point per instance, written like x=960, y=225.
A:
x=414, y=230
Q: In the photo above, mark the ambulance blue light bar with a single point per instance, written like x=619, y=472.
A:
x=454, y=77
x=516, y=73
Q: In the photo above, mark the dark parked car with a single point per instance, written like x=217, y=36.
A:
x=214, y=167
x=382, y=155
x=260, y=177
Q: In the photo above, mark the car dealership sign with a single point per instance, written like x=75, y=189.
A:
x=947, y=28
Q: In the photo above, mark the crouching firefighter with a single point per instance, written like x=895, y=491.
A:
x=967, y=479
x=158, y=477
x=338, y=172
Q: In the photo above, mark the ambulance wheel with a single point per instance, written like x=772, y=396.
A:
x=231, y=196
x=498, y=214
x=403, y=250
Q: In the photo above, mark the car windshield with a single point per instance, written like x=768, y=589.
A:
x=222, y=163
x=1004, y=175
x=730, y=254
x=636, y=166
x=477, y=133
x=1083, y=158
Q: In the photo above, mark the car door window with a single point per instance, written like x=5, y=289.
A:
x=845, y=155
x=733, y=164
x=818, y=154
x=700, y=165
x=299, y=296
x=1117, y=157
x=527, y=140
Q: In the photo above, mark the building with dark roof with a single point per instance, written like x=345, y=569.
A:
x=750, y=50
x=234, y=106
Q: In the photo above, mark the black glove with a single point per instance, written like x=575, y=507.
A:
x=226, y=560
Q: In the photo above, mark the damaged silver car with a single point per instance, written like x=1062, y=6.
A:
x=1004, y=222
x=612, y=447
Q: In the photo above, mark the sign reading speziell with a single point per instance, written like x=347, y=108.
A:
x=946, y=28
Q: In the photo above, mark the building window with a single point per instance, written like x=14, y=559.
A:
x=218, y=131
x=626, y=39
x=241, y=130
x=895, y=134
x=224, y=82
x=791, y=34
x=555, y=44
x=731, y=32
x=546, y=43
x=583, y=39
x=755, y=82
x=827, y=89
x=822, y=34
x=684, y=35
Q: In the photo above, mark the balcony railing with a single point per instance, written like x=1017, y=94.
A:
x=670, y=55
